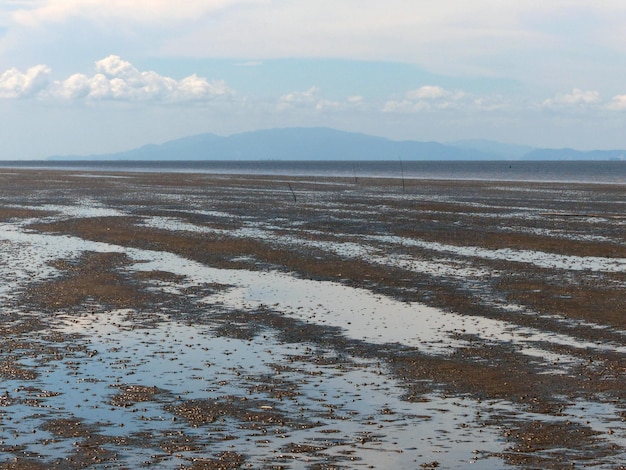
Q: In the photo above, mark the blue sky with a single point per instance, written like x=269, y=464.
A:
x=93, y=76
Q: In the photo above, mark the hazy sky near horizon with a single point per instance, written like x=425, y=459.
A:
x=94, y=76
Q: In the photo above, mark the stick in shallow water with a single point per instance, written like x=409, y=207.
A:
x=292, y=193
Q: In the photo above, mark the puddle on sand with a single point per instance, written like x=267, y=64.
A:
x=351, y=413
x=360, y=313
x=355, y=412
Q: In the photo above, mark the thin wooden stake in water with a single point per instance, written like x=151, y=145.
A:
x=292, y=193
x=402, y=173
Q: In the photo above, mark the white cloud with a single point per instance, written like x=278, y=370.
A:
x=312, y=99
x=17, y=84
x=428, y=98
x=115, y=79
x=576, y=97
x=299, y=98
x=617, y=103
x=427, y=92
x=328, y=105
x=584, y=100
x=75, y=87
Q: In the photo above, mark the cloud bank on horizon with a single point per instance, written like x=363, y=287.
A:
x=89, y=76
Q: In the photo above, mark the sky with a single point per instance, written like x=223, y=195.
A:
x=81, y=77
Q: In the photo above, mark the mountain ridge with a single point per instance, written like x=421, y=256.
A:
x=322, y=143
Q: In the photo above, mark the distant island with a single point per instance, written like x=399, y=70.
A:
x=320, y=143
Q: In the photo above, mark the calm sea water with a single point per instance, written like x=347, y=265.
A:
x=561, y=171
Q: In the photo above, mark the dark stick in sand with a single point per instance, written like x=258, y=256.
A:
x=292, y=193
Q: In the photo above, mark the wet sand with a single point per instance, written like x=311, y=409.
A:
x=170, y=320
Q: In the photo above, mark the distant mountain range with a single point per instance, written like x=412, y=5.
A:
x=321, y=143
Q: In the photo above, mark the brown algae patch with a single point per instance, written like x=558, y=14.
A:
x=251, y=412
x=9, y=213
x=539, y=444
x=10, y=370
x=595, y=302
x=94, y=277
x=67, y=427
x=130, y=395
x=224, y=461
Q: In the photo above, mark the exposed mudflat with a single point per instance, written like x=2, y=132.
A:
x=213, y=322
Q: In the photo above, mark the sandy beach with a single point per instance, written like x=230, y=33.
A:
x=186, y=320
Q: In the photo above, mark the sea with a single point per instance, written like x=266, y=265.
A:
x=613, y=172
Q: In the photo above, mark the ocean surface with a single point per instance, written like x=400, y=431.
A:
x=542, y=171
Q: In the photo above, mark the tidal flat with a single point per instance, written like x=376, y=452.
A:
x=202, y=321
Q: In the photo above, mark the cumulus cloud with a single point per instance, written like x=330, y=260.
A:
x=589, y=101
x=312, y=99
x=114, y=79
x=617, y=103
x=298, y=99
x=17, y=84
x=119, y=80
x=427, y=98
x=427, y=92
x=576, y=97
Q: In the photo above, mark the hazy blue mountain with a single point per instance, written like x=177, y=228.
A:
x=321, y=143
x=291, y=144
